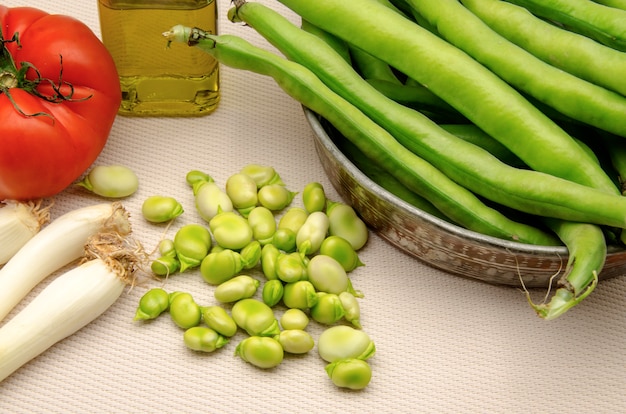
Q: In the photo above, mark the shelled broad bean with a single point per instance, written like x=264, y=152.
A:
x=275, y=243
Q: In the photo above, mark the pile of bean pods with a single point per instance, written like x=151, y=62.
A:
x=260, y=251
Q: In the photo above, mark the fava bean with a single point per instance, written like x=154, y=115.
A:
x=351, y=308
x=294, y=318
x=231, y=230
x=159, y=209
x=269, y=256
x=344, y=342
x=201, y=338
x=275, y=196
x=327, y=275
x=285, y=240
x=312, y=233
x=219, y=266
x=242, y=191
x=237, y=288
x=273, y=292
x=342, y=251
x=195, y=177
x=328, y=309
x=344, y=222
x=261, y=351
x=262, y=175
x=290, y=267
x=263, y=224
x=218, y=319
x=300, y=295
x=153, y=303
x=211, y=200
x=165, y=265
x=293, y=219
x=114, y=181
x=314, y=197
x=295, y=341
x=351, y=373
x=167, y=248
x=255, y=317
x=251, y=254
x=184, y=311
x=192, y=243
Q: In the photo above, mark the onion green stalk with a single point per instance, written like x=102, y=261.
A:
x=56, y=245
x=19, y=222
x=69, y=302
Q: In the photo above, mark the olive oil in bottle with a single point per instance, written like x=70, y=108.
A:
x=158, y=80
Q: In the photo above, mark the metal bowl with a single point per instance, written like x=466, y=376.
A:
x=436, y=242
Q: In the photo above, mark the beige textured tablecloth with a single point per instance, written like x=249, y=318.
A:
x=444, y=343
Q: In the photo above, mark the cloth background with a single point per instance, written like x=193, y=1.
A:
x=444, y=343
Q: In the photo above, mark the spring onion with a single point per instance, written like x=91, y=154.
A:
x=19, y=222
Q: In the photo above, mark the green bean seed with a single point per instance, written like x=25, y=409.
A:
x=293, y=219
x=328, y=309
x=262, y=175
x=153, y=303
x=295, y=341
x=184, y=310
x=211, y=200
x=201, y=338
x=275, y=196
x=341, y=250
x=327, y=274
x=114, y=181
x=344, y=222
x=263, y=352
x=351, y=373
x=312, y=233
x=290, y=267
x=294, y=319
x=251, y=254
x=351, y=308
x=255, y=317
x=344, y=342
x=284, y=239
x=242, y=191
x=314, y=197
x=272, y=292
x=192, y=243
x=300, y=295
x=231, y=230
x=167, y=248
x=159, y=209
x=269, y=256
x=263, y=224
x=165, y=265
x=218, y=319
x=221, y=265
x=237, y=288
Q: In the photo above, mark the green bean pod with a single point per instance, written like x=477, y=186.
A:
x=342, y=251
x=192, y=243
x=344, y=222
x=269, y=257
x=344, y=342
x=262, y=175
x=152, y=304
x=273, y=291
x=255, y=317
x=328, y=309
x=218, y=319
x=284, y=239
x=351, y=373
x=220, y=266
x=340, y=46
x=201, y=338
x=237, y=288
x=251, y=254
x=242, y=191
x=300, y=295
x=290, y=267
x=184, y=311
x=263, y=224
x=275, y=197
x=312, y=233
x=294, y=318
x=113, y=181
x=211, y=200
x=261, y=351
x=231, y=230
x=295, y=341
x=314, y=197
x=159, y=209
x=165, y=265
x=327, y=275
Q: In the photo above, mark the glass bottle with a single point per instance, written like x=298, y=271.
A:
x=158, y=80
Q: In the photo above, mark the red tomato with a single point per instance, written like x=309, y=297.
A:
x=42, y=155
